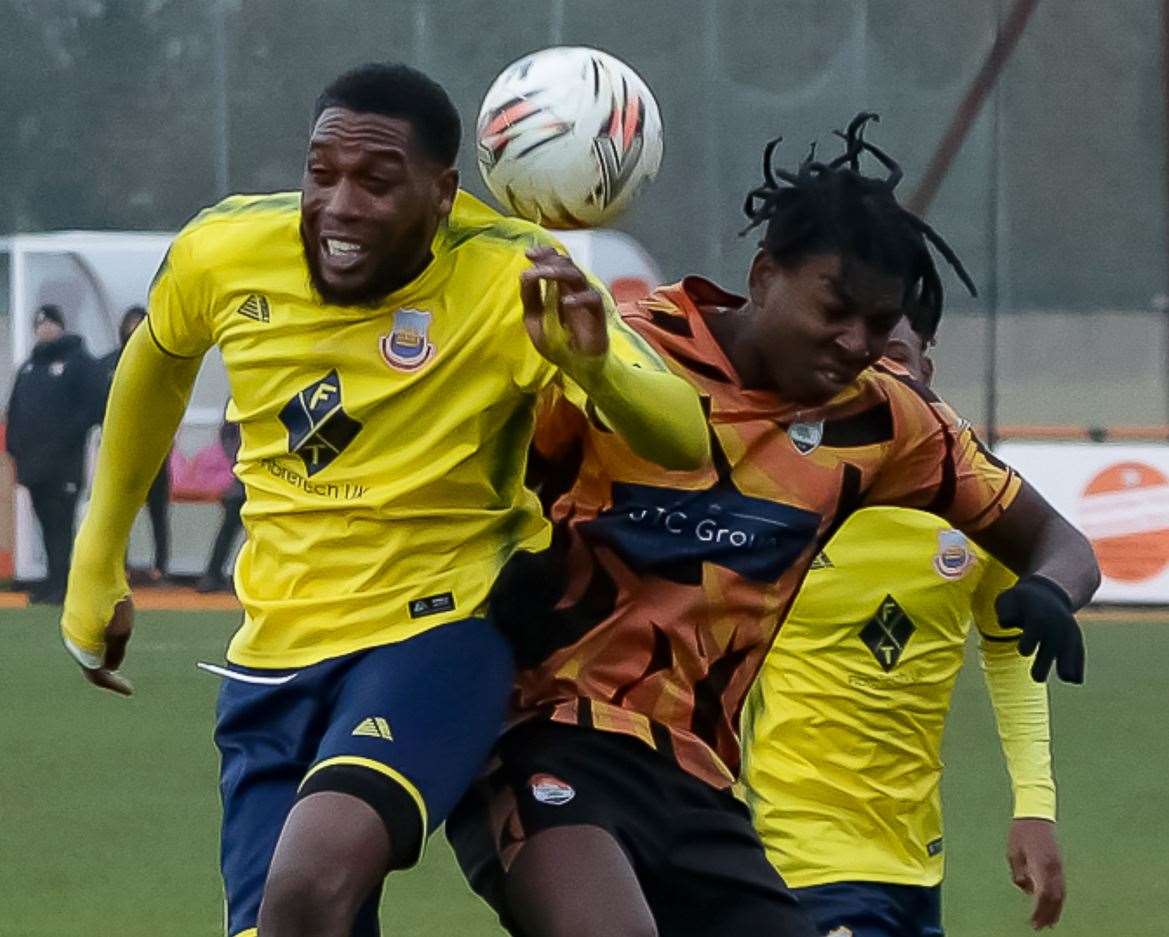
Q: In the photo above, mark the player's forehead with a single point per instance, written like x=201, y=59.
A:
x=358, y=133
x=856, y=282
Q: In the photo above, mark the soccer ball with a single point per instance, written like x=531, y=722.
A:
x=567, y=136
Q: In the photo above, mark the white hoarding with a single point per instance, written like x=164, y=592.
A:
x=1116, y=494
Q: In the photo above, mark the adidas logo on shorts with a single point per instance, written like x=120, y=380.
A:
x=375, y=727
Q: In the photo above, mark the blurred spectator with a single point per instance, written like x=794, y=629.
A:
x=50, y=412
x=158, y=498
x=232, y=499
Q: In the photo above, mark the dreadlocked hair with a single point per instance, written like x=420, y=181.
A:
x=833, y=208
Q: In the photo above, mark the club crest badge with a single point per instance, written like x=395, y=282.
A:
x=953, y=558
x=806, y=436
x=408, y=346
x=549, y=789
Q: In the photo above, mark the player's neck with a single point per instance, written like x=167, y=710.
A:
x=728, y=326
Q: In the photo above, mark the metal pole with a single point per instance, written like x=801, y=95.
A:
x=1006, y=37
x=1165, y=160
x=422, y=35
x=556, y=23
x=990, y=380
x=219, y=94
x=711, y=176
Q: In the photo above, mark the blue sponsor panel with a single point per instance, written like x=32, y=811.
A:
x=671, y=533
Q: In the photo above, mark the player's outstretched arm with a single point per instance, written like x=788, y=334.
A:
x=1024, y=726
x=658, y=414
x=147, y=402
x=1058, y=575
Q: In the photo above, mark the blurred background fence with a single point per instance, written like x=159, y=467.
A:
x=133, y=114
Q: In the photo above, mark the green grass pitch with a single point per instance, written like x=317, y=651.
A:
x=109, y=809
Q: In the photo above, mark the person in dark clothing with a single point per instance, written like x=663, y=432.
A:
x=214, y=579
x=49, y=415
x=158, y=498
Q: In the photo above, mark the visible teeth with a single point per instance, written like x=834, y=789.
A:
x=336, y=247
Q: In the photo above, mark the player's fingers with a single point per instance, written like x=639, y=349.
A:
x=1029, y=640
x=1018, y=864
x=583, y=314
x=531, y=294
x=1049, y=900
x=117, y=635
x=559, y=268
x=109, y=680
x=1041, y=665
x=540, y=252
x=1070, y=663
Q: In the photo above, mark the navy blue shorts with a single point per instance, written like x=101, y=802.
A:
x=404, y=726
x=874, y=909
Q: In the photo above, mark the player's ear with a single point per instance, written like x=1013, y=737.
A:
x=759, y=276
x=446, y=184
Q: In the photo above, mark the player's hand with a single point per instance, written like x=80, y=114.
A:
x=1043, y=611
x=565, y=316
x=101, y=669
x=1037, y=868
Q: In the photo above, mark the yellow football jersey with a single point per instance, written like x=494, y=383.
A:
x=383, y=448
x=842, y=731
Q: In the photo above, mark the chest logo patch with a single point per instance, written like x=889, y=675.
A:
x=806, y=437
x=887, y=633
x=954, y=557
x=408, y=346
x=549, y=789
x=318, y=427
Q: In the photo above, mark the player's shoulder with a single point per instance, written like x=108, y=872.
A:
x=219, y=232
x=890, y=380
x=670, y=319
x=911, y=402
x=475, y=227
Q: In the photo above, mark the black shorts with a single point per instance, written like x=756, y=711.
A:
x=695, y=853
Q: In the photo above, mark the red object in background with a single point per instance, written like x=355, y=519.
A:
x=629, y=289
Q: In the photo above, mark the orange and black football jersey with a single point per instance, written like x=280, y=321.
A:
x=676, y=582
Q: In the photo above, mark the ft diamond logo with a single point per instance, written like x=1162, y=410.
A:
x=887, y=633
x=318, y=429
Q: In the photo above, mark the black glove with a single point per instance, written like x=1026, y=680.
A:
x=1044, y=613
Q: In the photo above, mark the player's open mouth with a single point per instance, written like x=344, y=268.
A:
x=340, y=254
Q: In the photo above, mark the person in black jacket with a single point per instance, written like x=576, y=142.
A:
x=158, y=498
x=50, y=412
x=215, y=579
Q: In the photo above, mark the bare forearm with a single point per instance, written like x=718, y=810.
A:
x=1032, y=538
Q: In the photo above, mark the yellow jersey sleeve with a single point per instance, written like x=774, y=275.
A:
x=179, y=310
x=135, y=440
x=630, y=390
x=1020, y=704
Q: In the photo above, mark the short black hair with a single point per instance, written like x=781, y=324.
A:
x=50, y=312
x=396, y=90
x=833, y=208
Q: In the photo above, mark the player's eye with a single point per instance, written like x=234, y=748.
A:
x=378, y=185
